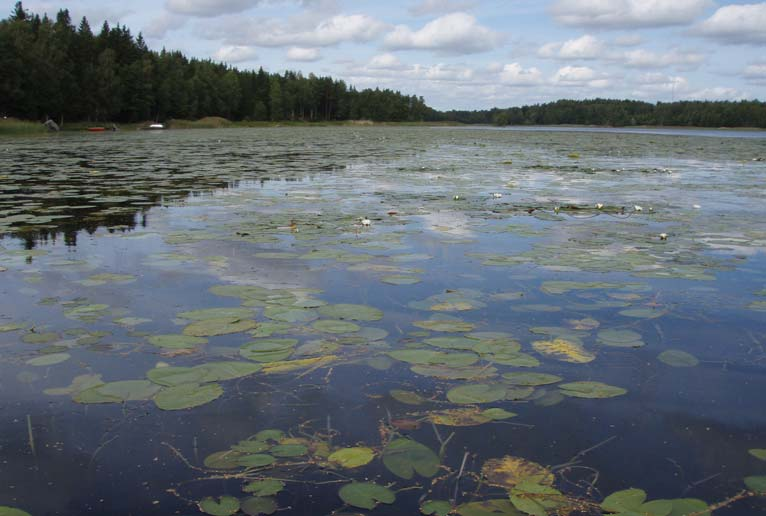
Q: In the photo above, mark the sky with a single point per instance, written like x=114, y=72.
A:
x=469, y=54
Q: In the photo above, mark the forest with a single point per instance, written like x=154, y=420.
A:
x=54, y=69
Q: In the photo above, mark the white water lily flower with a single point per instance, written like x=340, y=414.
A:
x=599, y=205
x=497, y=195
x=696, y=206
x=663, y=236
x=456, y=198
x=638, y=208
x=366, y=221
x=556, y=209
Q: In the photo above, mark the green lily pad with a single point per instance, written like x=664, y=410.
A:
x=175, y=341
x=436, y=508
x=462, y=343
x=756, y=484
x=498, y=414
x=255, y=460
x=620, y=338
x=187, y=395
x=78, y=384
x=478, y=393
x=171, y=376
x=226, y=459
x=590, y=390
x=366, y=495
x=290, y=314
x=624, y=501
x=268, y=350
x=11, y=511
x=223, y=506
x=221, y=371
x=400, y=279
x=352, y=457
x=686, y=506
x=678, y=358
x=404, y=457
x=430, y=357
x=407, y=397
x=564, y=350
x=266, y=487
x=351, y=312
x=531, y=379
x=220, y=326
x=217, y=313
x=758, y=453
x=330, y=326
x=289, y=450
x=39, y=338
x=257, y=505
x=501, y=507
x=49, y=360
x=117, y=392
x=445, y=325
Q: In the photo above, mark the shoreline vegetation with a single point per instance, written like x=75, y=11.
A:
x=61, y=72
x=12, y=126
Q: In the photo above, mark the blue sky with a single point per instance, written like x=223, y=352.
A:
x=471, y=54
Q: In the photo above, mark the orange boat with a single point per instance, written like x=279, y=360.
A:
x=96, y=129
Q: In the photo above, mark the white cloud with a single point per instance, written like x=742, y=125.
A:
x=207, y=8
x=682, y=60
x=337, y=29
x=584, y=47
x=652, y=85
x=615, y=14
x=385, y=61
x=755, y=71
x=456, y=33
x=426, y=7
x=628, y=40
x=736, y=24
x=303, y=54
x=159, y=27
x=716, y=93
x=580, y=76
x=515, y=75
x=235, y=54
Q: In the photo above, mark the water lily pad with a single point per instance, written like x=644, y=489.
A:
x=330, y=326
x=187, y=395
x=229, y=370
x=678, y=358
x=502, y=507
x=78, y=384
x=590, y=390
x=366, y=495
x=756, y=484
x=436, y=508
x=11, y=511
x=477, y=393
x=507, y=472
x=531, y=379
x=217, y=313
x=220, y=326
x=255, y=460
x=117, y=392
x=265, y=487
x=290, y=314
x=455, y=372
x=431, y=357
x=49, y=360
x=564, y=350
x=624, y=501
x=459, y=417
x=620, y=338
x=268, y=350
x=404, y=457
x=223, y=506
x=39, y=338
x=257, y=505
x=351, y=312
x=296, y=365
x=175, y=341
x=687, y=506
x=289, y=450
x=226, y=459
x=758, y=453
x=462, y=343
x=352, y=457
x=498, y=414
x=171, y=376
x=400, y=279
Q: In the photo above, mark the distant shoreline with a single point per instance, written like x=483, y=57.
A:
x=11, y=127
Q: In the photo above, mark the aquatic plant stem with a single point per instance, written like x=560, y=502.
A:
x=31, y=435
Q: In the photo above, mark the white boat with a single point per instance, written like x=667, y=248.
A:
x=157, y=126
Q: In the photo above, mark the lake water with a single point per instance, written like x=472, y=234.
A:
x=323, y=320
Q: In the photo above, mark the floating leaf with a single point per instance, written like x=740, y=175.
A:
x=266, y=487
x=226, y=459
x=187, y=395
x=444, y=325
x=430, y=357
x=79, y=384
x=352, y=457
x=351, y=312
x=459, y=417
x=268, y=350
x=531, y=379
x=404, y=457
x=171, y=376
x=462, y=343
x=756, y=484
x=687, y=506
x=399, y=279
x=217, y=313
x=366, y=495
x=330, y=326
x=257, y=505
x=11, y=511
x=678, y=358
x=590, y=390
x=39, y=338
x=454, y=373
x=221, y=371
x=255, y=460
x=488, y=508
x=290, y=314
x=223, y=506
x=436, y=508
x=289, y=450
x=510, y=471
x=624, y=501
x=49, y=360
x=407, y=397
x=478, y=393
x=498, y=414
x=758, y=453
x=564, y=350
x=220, y=326
x=174, y=341
x=295, y=365
x=620, y=338
x=117, y=392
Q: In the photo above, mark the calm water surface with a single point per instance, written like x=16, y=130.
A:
x=170, y=295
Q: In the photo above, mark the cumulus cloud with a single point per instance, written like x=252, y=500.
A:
x=618, y=14
x=207, y=8
x=755, y=71
x=303, y=54
x=652, y=85
x=456, y=33
x=628, y=40
x=516, y=75
x=426, y=7
x=160, y=25
x=235, y=54
x=579, y=76
x=385, y=61
x=679, y=59
x=736, y=24
x=584, y=47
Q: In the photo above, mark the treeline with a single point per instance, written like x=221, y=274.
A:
x=50, y=68
x=621, y=113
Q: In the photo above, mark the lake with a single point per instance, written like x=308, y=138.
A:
x=338, y=320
